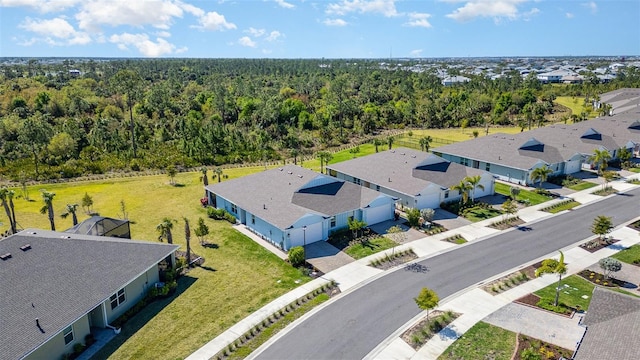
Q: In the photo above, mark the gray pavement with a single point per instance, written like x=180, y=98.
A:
x=552, y=328
x=359, y=321
x=326, y=257
x=475, y=304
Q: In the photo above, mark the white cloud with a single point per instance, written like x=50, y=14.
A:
x=255, y=32
x=144, y=45
x=591, y=5
x=416, y=53
x=569, y=15
x=246, y=41
x=44, y=6
x=486, y=8
x=334, y=22
x=418, y=20
x=384, y=7
x=56, y=31
x=159, y=13
x=274, y=35
x=193, y=10
x=531, y=13
x=214, y=21
x=165, y=34
x=284, y=4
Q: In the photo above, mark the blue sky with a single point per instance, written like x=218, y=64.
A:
x=317, y=29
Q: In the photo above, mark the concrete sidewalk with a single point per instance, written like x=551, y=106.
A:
x=358, y=273
x=476, y=304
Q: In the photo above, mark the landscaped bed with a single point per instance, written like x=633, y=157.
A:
x=455, y=239
x=635, y=225
x=419, y=334
x=561, y=206
x=605, y=192
x=597, y=244
x=507, y=223
x=393, y=260
x=511, y=280
x=599, y=279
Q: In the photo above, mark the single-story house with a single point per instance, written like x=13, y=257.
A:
x=613, y=327
x=292, y=206
x=563, y=148
x=455, y=80
x=417, y=179
x=59, y=287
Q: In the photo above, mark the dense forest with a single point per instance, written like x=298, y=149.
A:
x=67, y=118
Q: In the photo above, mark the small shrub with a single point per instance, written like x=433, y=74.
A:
x=296, y=256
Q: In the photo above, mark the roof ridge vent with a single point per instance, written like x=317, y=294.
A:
x=6, y=256
x=25, y=247
x=289, y=172
x=300, y=176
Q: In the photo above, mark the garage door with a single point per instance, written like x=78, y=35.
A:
x=377, y=214
x=572, y=167
x=312, y=234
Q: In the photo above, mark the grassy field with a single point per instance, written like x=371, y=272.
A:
x=573, y=288
x=525, y=195
x=628, y=255
x=575, y=104
x=449, y=135
x=238, y=277
x=482, y=341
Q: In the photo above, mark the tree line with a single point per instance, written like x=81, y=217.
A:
x=121, y=115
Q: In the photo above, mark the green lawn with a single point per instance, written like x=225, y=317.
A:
x=482, y=341
x=373, y=246
x=572, y=290
x=449, y=134
x=575, y=104
x=628, y=255
x=476, y=214
x=531, y=197
x=239, y=276
x=634, y=169
x=583, y=185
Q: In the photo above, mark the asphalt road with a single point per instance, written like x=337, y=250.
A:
x=352, y=326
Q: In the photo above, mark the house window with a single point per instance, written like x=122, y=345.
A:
x=68, y=334
x=117, y=299
x=377, y=187
x=446, y=194
x=333, y=221
x=356, y=181
x=487, y=167
x=253, y=219
x=234, y=208
x=476, y=164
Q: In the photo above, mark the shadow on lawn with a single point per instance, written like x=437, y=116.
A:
x=142, y=318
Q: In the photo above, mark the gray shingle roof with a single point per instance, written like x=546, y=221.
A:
x=405, y=170
x=613, y=327
x=560, y=142
x=282, y=196
x=62, y=277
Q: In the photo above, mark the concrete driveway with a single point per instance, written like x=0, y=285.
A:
x=552, y=328
x=326, y=257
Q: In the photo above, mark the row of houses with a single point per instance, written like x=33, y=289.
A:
x=563, y=148
x=293, y=206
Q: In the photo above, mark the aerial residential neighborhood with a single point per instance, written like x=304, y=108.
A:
x=323, y=180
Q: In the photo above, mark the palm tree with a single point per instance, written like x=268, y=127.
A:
x=205, y=179
x=324, y=157
x=187, y=236
x=47, y=197
x=377, y=142
x=218, y=172
x=6, y=197
x=541, y=174
x=463, y=189
x=425, y=142
x=553, y=266
x=474, y=181
x=70, y=209
x=164, y=229
x=601, y=158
